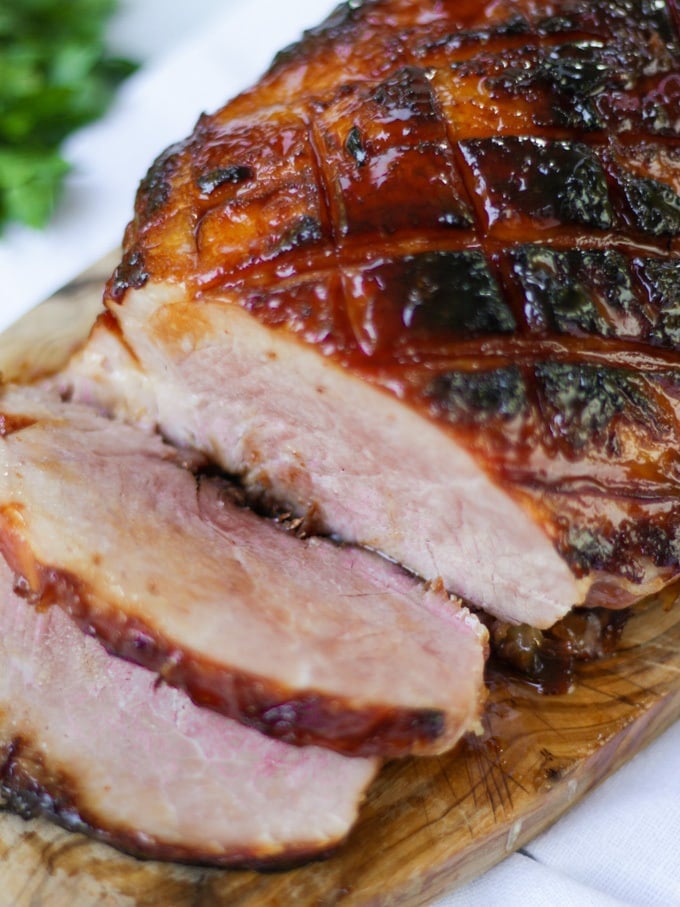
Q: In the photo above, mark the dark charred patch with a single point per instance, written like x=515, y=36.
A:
x=576, y=70
x=624, y=550
x=588, y=549
x=546, y=181
x=434, y=297
x=476, y=398
x=655, y=205
x=645, y=25
x=621, y=18
x=569, y=76
x=661, y=281
x=453, y=292
x=656, y=16
x=407, y=94
x=355, y=146
x=580, y=404
x=514, y=26
x=154, y=190
x=131, y=274
x=552, y=301
x=305, y=231
x=574, y=292
x=575, y=75
x=221, y=176
x=556, y=25
x=29, y=789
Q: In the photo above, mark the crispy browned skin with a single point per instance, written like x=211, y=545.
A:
x=523, y=154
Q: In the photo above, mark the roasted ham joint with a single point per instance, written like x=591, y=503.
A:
x=388, y=371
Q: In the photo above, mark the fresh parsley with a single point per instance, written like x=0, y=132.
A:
x=55, y=76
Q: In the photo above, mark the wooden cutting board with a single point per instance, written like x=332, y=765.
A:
x=428, y=824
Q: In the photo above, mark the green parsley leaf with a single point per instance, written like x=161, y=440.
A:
x=55, y=76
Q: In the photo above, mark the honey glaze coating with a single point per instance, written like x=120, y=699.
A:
x=476, y=207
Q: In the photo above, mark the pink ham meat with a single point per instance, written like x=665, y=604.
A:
x=96, y=744
x=304, y=640
x=422, y=281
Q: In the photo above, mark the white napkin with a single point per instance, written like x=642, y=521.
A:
x=621, y=844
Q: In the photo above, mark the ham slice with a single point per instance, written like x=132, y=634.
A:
x=421, y=282
x=305, y=640
x=98, y=745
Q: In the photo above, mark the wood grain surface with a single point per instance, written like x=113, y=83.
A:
x=428, y=824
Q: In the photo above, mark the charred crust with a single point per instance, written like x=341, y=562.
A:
x=658, y=17
x=131, y=274
x=29, y=789
x=614, y=22
x=626, y=549
x=221, y=176
x=452, y=293
x=477, y=398
x=585, y=199
x=655, y=205
x=514, y=26
x=573, y=291
x=581, y=403
x=156, y=187
x=661, y=281
x=355, y=147
x=600, y=81
x=571, y=75
x=304, y=231
x=550, y=181
x=587, y=549
x=402, y=305
x=408, y=93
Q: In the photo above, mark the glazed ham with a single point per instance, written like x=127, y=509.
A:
x=294, y=637
x=96, y=744
x=420, y=285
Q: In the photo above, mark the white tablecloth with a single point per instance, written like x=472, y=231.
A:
x=619, y=846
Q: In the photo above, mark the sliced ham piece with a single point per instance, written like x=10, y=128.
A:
x=96, y=744
x=421, y=282
x=305, y=640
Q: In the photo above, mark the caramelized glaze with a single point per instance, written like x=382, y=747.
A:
x=476, y=207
